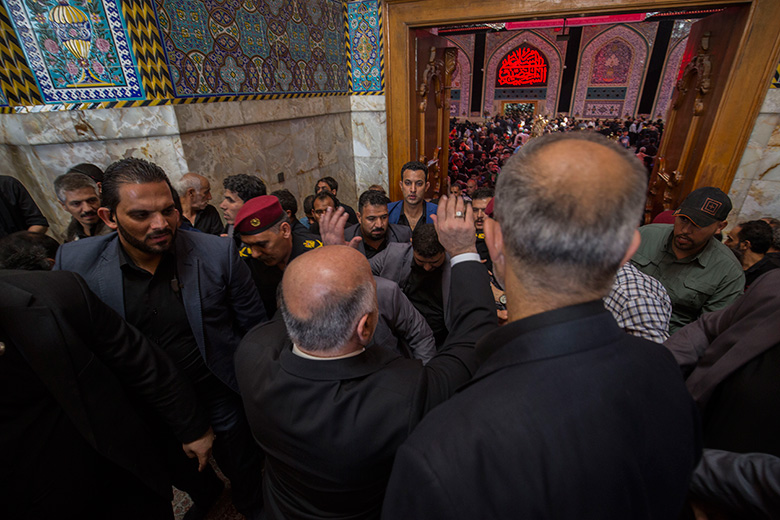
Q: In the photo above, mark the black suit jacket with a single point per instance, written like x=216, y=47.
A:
x=568, y=417
x=90, y=360
x=330, y=429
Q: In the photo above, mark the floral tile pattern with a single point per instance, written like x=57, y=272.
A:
x=365, y=35
x=240, y=47
x=78, y=51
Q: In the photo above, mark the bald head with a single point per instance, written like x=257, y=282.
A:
x=568, y=205
x=324, y=294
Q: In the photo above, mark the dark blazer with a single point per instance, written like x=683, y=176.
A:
x=395, y=233
x=330, y=429
x=219, y=297
x=90, y=360
x=401, y=327
x=568, y=417
x=395, y=263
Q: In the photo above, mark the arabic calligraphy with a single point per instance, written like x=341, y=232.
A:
x=522, y=67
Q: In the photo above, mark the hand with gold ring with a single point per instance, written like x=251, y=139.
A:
x=454, y=222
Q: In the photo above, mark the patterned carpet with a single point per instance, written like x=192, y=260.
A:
x=222, y=510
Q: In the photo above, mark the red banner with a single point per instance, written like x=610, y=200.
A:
x=522, y=67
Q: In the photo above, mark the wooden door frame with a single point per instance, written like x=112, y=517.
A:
x=747, y=84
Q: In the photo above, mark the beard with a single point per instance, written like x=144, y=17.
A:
x=142, y=245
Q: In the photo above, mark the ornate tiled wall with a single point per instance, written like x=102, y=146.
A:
x=614, y=56
x=545, y=42
x=365, y=51
x=81, y=54
x=669, y=79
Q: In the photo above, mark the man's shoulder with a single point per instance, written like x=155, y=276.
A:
x=86, y=249
x=393, y=206
x=651, y=232
x=635, y=284
x=719, y=254
x=399, y=233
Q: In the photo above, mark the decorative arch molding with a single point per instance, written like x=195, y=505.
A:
x=554, y=62
x=641, y=49
x=463, y=72
x=669, y=78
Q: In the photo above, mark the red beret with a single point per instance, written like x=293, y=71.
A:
x=258, y=214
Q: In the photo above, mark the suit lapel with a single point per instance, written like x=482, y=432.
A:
x=187, y=269
x=109, y=276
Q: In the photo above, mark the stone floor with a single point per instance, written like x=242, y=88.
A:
x=222, y=510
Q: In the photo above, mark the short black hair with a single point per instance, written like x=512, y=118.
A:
x=372, y=198
x=88, y=169
x=414, y=165
x=759, y=233
x=287, y=200
x=330, y=181
x=483, y=193
x=28, y=251
x=245, y=186
x=425, y=241
x=308, y=204
x=325, y=195
x=129, y=171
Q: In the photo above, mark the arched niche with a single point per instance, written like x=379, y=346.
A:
x=638, y=66
x=554, y=63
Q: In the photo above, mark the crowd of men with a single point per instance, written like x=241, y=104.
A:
x=517, y=348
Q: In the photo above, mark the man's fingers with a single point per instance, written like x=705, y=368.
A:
x=355, y=242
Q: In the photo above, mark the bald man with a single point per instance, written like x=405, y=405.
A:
x=330, y=413
x=195, y=193
x=568, y=416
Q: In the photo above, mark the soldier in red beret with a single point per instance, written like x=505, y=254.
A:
x=263, y=226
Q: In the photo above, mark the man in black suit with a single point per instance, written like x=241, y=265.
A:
x=74, y=445
x=373, y=228
x=568, y=416
x=330, y=413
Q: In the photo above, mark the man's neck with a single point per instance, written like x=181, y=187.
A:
x=376, y=244
x=146, y=261
x=413, y=212
x=749, y=259
x=188, y=212
x=87, y=228
x=680, y=254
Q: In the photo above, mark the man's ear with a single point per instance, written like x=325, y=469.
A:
x=744, y=245
x=722, y=226
x=106, y=216
x=359, y=217
x=494, y=240
x=632, y=247
x=365, y=328
x=427, y=187
x=285, y=229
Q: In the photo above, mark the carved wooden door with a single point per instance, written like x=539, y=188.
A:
x=433, y=65
x=705, y=70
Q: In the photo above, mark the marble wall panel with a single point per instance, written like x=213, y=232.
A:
x=755, y=192
x=669, y=78
x=369, y=141
x=463, y=73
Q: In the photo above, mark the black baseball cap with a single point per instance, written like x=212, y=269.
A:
x=705, y=206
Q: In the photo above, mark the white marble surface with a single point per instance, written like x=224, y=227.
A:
x=369, y=141
x=367, y=103
x=755, y=191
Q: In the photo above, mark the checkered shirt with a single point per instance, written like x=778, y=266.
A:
x=640, y=304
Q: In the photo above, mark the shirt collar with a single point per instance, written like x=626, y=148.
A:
x=300, y=353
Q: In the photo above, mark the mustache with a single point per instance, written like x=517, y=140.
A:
x=89, y=214
x=158, y=234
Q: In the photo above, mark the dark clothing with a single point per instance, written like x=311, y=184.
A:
x=395, y=233
x=423, y=288
x=733, y=354
x=208, y=221
x=403, y=221
x=153, y=304
x=68, y=431
x=352, y=216
x=766, y=264
x=220, y=303
x=75, y=230
x=482, y=249
x=18, y=210
x=268, y=277
x=331, y=428
x=567, y=417
x=743, y=414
